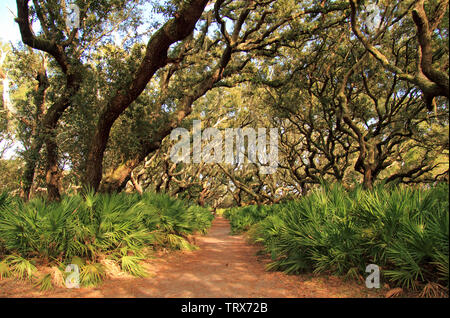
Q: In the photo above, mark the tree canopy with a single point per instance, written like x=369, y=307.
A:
x=356, y=96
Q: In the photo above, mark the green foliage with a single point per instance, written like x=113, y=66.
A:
x=44, y=283
x=4, y=270
x=92, y=274
x=84, y=229
x=199, y=218
x=170, y=220
x=242, y=218
x=20, y=267
x=10, y=174
x=402, y=230
x=130, y=264
x=4, y=201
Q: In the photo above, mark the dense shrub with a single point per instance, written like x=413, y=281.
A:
x=92, y=227
x=241, y=218
x=405, y=231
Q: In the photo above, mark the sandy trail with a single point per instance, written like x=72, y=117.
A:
x=224, y=266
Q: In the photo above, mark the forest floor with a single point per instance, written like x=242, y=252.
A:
x=225, y=266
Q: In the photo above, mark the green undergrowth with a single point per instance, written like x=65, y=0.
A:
x=88, y=229
x=404, y=231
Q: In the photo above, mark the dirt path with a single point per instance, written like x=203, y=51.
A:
x=224, y=266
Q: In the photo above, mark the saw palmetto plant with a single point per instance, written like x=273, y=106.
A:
x=44, y=283
x=402, y=230
x=20, y=267
x=89, y=227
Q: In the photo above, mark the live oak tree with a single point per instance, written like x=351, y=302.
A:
x=326, y=139
x=254, y=32
x=352, y=103
x=67, y=48
x=380, y=120
x=398, y=113
x=429, y=71
x=155, y=57
x=25, y=72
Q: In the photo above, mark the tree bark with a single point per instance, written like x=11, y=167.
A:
x=53, y=174
x=31, y=161
x=136, y=184
x=368, y=179
x=32, y=156
x=51, y=117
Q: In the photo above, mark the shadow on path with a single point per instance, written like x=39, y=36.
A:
x=224, y=266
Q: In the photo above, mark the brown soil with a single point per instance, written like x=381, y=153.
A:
x=224, y=266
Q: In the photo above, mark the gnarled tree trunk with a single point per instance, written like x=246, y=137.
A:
x=155, y=57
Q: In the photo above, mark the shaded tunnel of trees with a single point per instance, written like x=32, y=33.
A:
x=93, y=106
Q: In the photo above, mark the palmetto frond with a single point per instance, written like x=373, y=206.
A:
x=404, y=231
x=83, y=229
